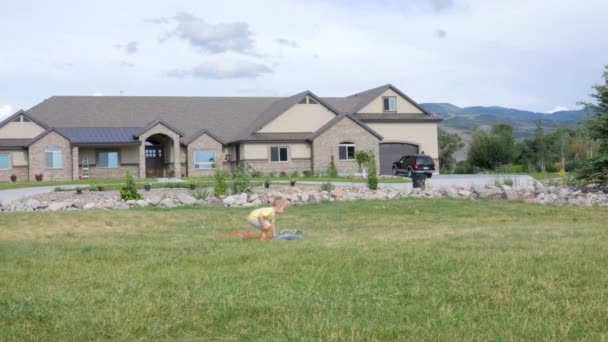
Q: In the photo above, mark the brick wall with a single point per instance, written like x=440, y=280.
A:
x=205, y=142
x=37, y=158
x=20, y=171
x=265, y=166
x=119, y=172
x=326, y=145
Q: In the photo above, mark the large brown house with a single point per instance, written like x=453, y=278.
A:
x=66, y=137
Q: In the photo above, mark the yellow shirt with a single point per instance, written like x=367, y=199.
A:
x=267, y=212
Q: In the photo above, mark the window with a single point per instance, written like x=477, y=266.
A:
x=107, y=160
x=390, y=104
x=53, y=158
x=278, y=154
x=5, y=161
x=204, y=159
x=346, y=151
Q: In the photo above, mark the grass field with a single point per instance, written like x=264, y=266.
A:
x=116, y=183
x=379, y=270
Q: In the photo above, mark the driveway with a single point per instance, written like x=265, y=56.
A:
x=440, y=181
x=15, y=194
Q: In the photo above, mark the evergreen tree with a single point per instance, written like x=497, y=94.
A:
x=448, y=145
x=595, y=169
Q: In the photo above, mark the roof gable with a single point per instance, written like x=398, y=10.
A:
x=154, y=124
x=328, y=125
x=45, y=133
x=199, y=133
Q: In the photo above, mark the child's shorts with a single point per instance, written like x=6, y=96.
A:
x=257, y=225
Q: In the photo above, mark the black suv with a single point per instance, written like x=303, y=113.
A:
x=416, y=164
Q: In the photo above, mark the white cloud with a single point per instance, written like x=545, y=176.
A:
x=130, y=48
x=558, y=109
x=222, y=70
x=6, y=111
x=287, y=42
x=213, y=38
x=97, y=94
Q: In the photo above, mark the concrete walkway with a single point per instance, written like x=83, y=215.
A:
x=15, y=194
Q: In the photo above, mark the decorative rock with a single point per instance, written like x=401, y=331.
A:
x=241, y=199
x=511, y=195
x=109, y=204
x=32, y=203
x=229, y=200
x=337, y=193
x=142, y=203
x=186, y=199
x=154, y=200
x=57, y=206
x=167, y=203
x=392, y=194
x=305, y=197
x=257, y=201
x=253, y=197
x=88, y=206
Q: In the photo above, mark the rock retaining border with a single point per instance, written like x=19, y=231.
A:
x=169, y=198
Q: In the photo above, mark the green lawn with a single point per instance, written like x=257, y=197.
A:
x=379, y=270
x=116, y=183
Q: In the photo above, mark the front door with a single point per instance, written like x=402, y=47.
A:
x=154, y=161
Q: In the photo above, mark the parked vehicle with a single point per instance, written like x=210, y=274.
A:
x=414, y=164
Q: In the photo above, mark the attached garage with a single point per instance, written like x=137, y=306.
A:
x=391, y=152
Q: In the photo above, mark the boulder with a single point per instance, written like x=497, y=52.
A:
x=257, y=201
x=88, y=206
x=109, y=204
x=465, y=193
x=32, y=203
x=241, y=199
x=167, y=203
x=214, y=201
x=142, y=203
x=337, y=193
x=154, y=200
x=305, y=197
x=392, y=194
x=78, y=204
x=511, y=195
x=253, y=197
x=55, y=206
x=186, y=199
x=230, y=200
x=380, y=195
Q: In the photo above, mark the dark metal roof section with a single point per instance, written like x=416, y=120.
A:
x=101, y=135
x=10, y=144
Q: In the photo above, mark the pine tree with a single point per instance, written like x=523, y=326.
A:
x=595, y=169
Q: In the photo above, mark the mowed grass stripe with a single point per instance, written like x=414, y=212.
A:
x=380, y=270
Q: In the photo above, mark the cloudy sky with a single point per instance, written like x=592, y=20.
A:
x=529, y=54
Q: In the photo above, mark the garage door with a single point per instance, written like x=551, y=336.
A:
x=391, y=152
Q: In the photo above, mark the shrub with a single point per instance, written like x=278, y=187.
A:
x=308, y=174
x=272, y=174
x=39, y=177
x=372, y=178
x=200, y=194
x=13, y=178
x=327, y=186
x=295, y=174
x=241, y=179
x=220, y=186
x=332, y=171
x=129, y=191
x=283, y=174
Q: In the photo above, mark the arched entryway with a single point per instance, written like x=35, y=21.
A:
x=155, y=154
x=159, y=152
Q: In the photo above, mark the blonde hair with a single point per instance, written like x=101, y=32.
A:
x=279, y=202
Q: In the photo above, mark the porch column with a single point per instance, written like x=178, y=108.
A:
x=176, y=157
x=75, y=168
x=142, y=159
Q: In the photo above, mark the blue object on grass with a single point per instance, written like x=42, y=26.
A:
x=288, y=237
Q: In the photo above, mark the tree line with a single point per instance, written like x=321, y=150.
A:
x=582, y=151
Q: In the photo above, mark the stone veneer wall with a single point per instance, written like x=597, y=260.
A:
x=265, y=166
x=37, y=158
x=327, y=144
x=205, y=142
x=20, y=171
x=104, y=172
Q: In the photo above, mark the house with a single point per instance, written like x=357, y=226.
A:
x=66, y=137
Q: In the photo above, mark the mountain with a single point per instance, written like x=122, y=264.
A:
x=465, y=120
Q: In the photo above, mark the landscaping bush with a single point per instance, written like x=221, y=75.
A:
x=327, y=186
x=241, y=179
x=220, y=186
x=13, y=178
x=372, y=177
x=200, y=194
x=39, y=177
x=308, y=174
x=333, y=170
x=129, y=191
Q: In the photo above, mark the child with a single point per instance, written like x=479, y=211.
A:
x=263, y=218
